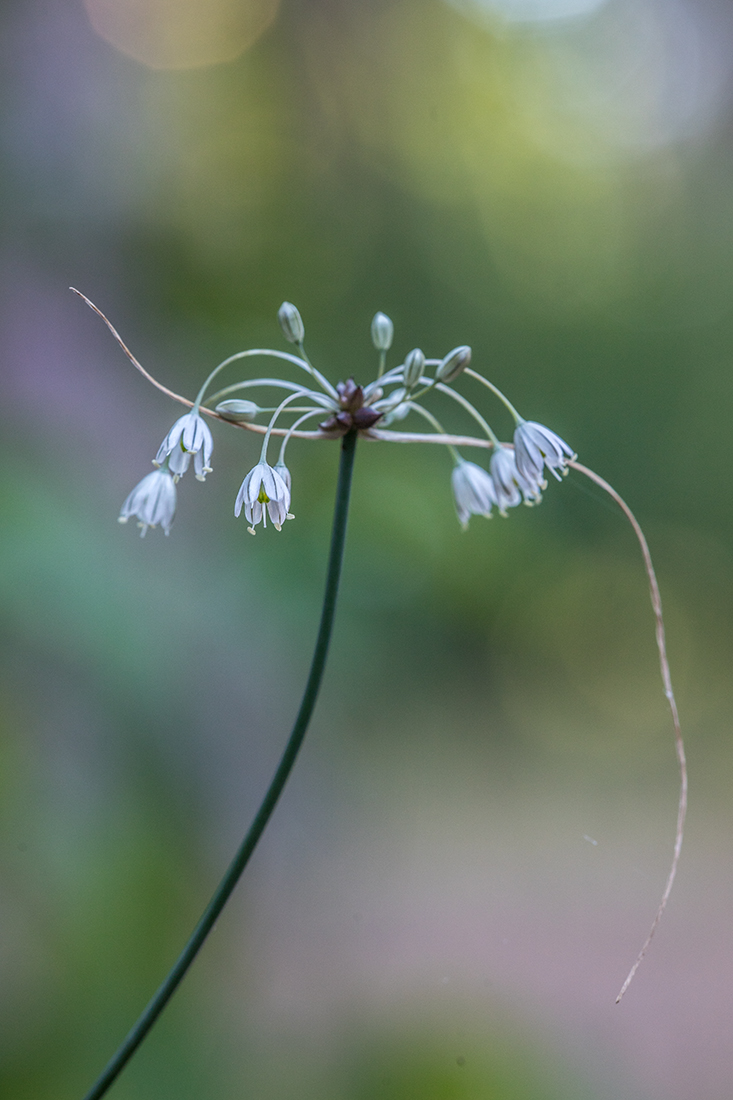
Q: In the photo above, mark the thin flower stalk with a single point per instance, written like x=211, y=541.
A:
x=669, y=693
x=286, y=356
x=491, y=435
x=323, y=400
x=471, y=373
x=300, y=727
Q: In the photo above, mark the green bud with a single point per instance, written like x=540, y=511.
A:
x=413, y=368
x=453, y=363
x=291, y=323
x=382, y=332
x=237, y=411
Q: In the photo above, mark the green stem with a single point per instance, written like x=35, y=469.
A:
x=231, y=878
x=495, y=390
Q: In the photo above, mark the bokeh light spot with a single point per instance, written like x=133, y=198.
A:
x=181, y=34
x=530, y=11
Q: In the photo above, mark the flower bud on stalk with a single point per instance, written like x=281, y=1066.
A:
x=414, y=366
x=453, y=363
x=291, y=323
x=237, y=411
x=382, y=332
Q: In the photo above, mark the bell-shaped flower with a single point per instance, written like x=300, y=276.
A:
x=510, y=486
x=535, y=447
x=190, y=435
x=264, y=490
x=153, y=501
x=473, y=491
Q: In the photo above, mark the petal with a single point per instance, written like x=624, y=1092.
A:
x=178, y=461
x=172, y=439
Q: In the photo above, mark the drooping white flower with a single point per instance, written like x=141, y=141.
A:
x=190, y=435
x=535, y=447
x=510, y=486
x=264, y=490
x=473, y=490
x=153, y=501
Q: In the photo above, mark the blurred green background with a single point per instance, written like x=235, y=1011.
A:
x=473, y=844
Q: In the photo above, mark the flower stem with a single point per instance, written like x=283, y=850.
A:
x=232, y=876
x=669, y=692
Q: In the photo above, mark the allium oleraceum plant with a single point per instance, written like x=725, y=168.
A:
x=345, y=411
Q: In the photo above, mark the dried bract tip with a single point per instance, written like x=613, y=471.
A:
x=453, y=363
x=238, y=411
x=414, y=366
x=291, y=323
x=382, y=332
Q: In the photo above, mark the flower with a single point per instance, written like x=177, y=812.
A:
x=536, y=446
x=264, y=486
x=509, y=485
x=473, y=490
x=153, y=501
x=188, y=436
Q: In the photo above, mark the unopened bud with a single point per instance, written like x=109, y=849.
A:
x=414, y=366
x=238, y=411
x=291, y=323
x=382, y=332
x=453, y=363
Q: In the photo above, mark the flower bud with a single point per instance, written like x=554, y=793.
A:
x=291, y=323
x=413, y=368
x=237, y=411
x=453, y=363
x=382, y=332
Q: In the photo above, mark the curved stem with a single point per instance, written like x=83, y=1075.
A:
x=495, y=390
x=441, y=386
x=669, y=692
x=236, y=867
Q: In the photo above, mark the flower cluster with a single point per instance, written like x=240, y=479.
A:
x=515, y=471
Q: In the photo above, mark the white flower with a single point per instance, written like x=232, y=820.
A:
x=473, y=490
x=153, y=501
x=265, y=490
x=509, y=485
x=536, y=446
x=284, y=473
x=188, y=436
